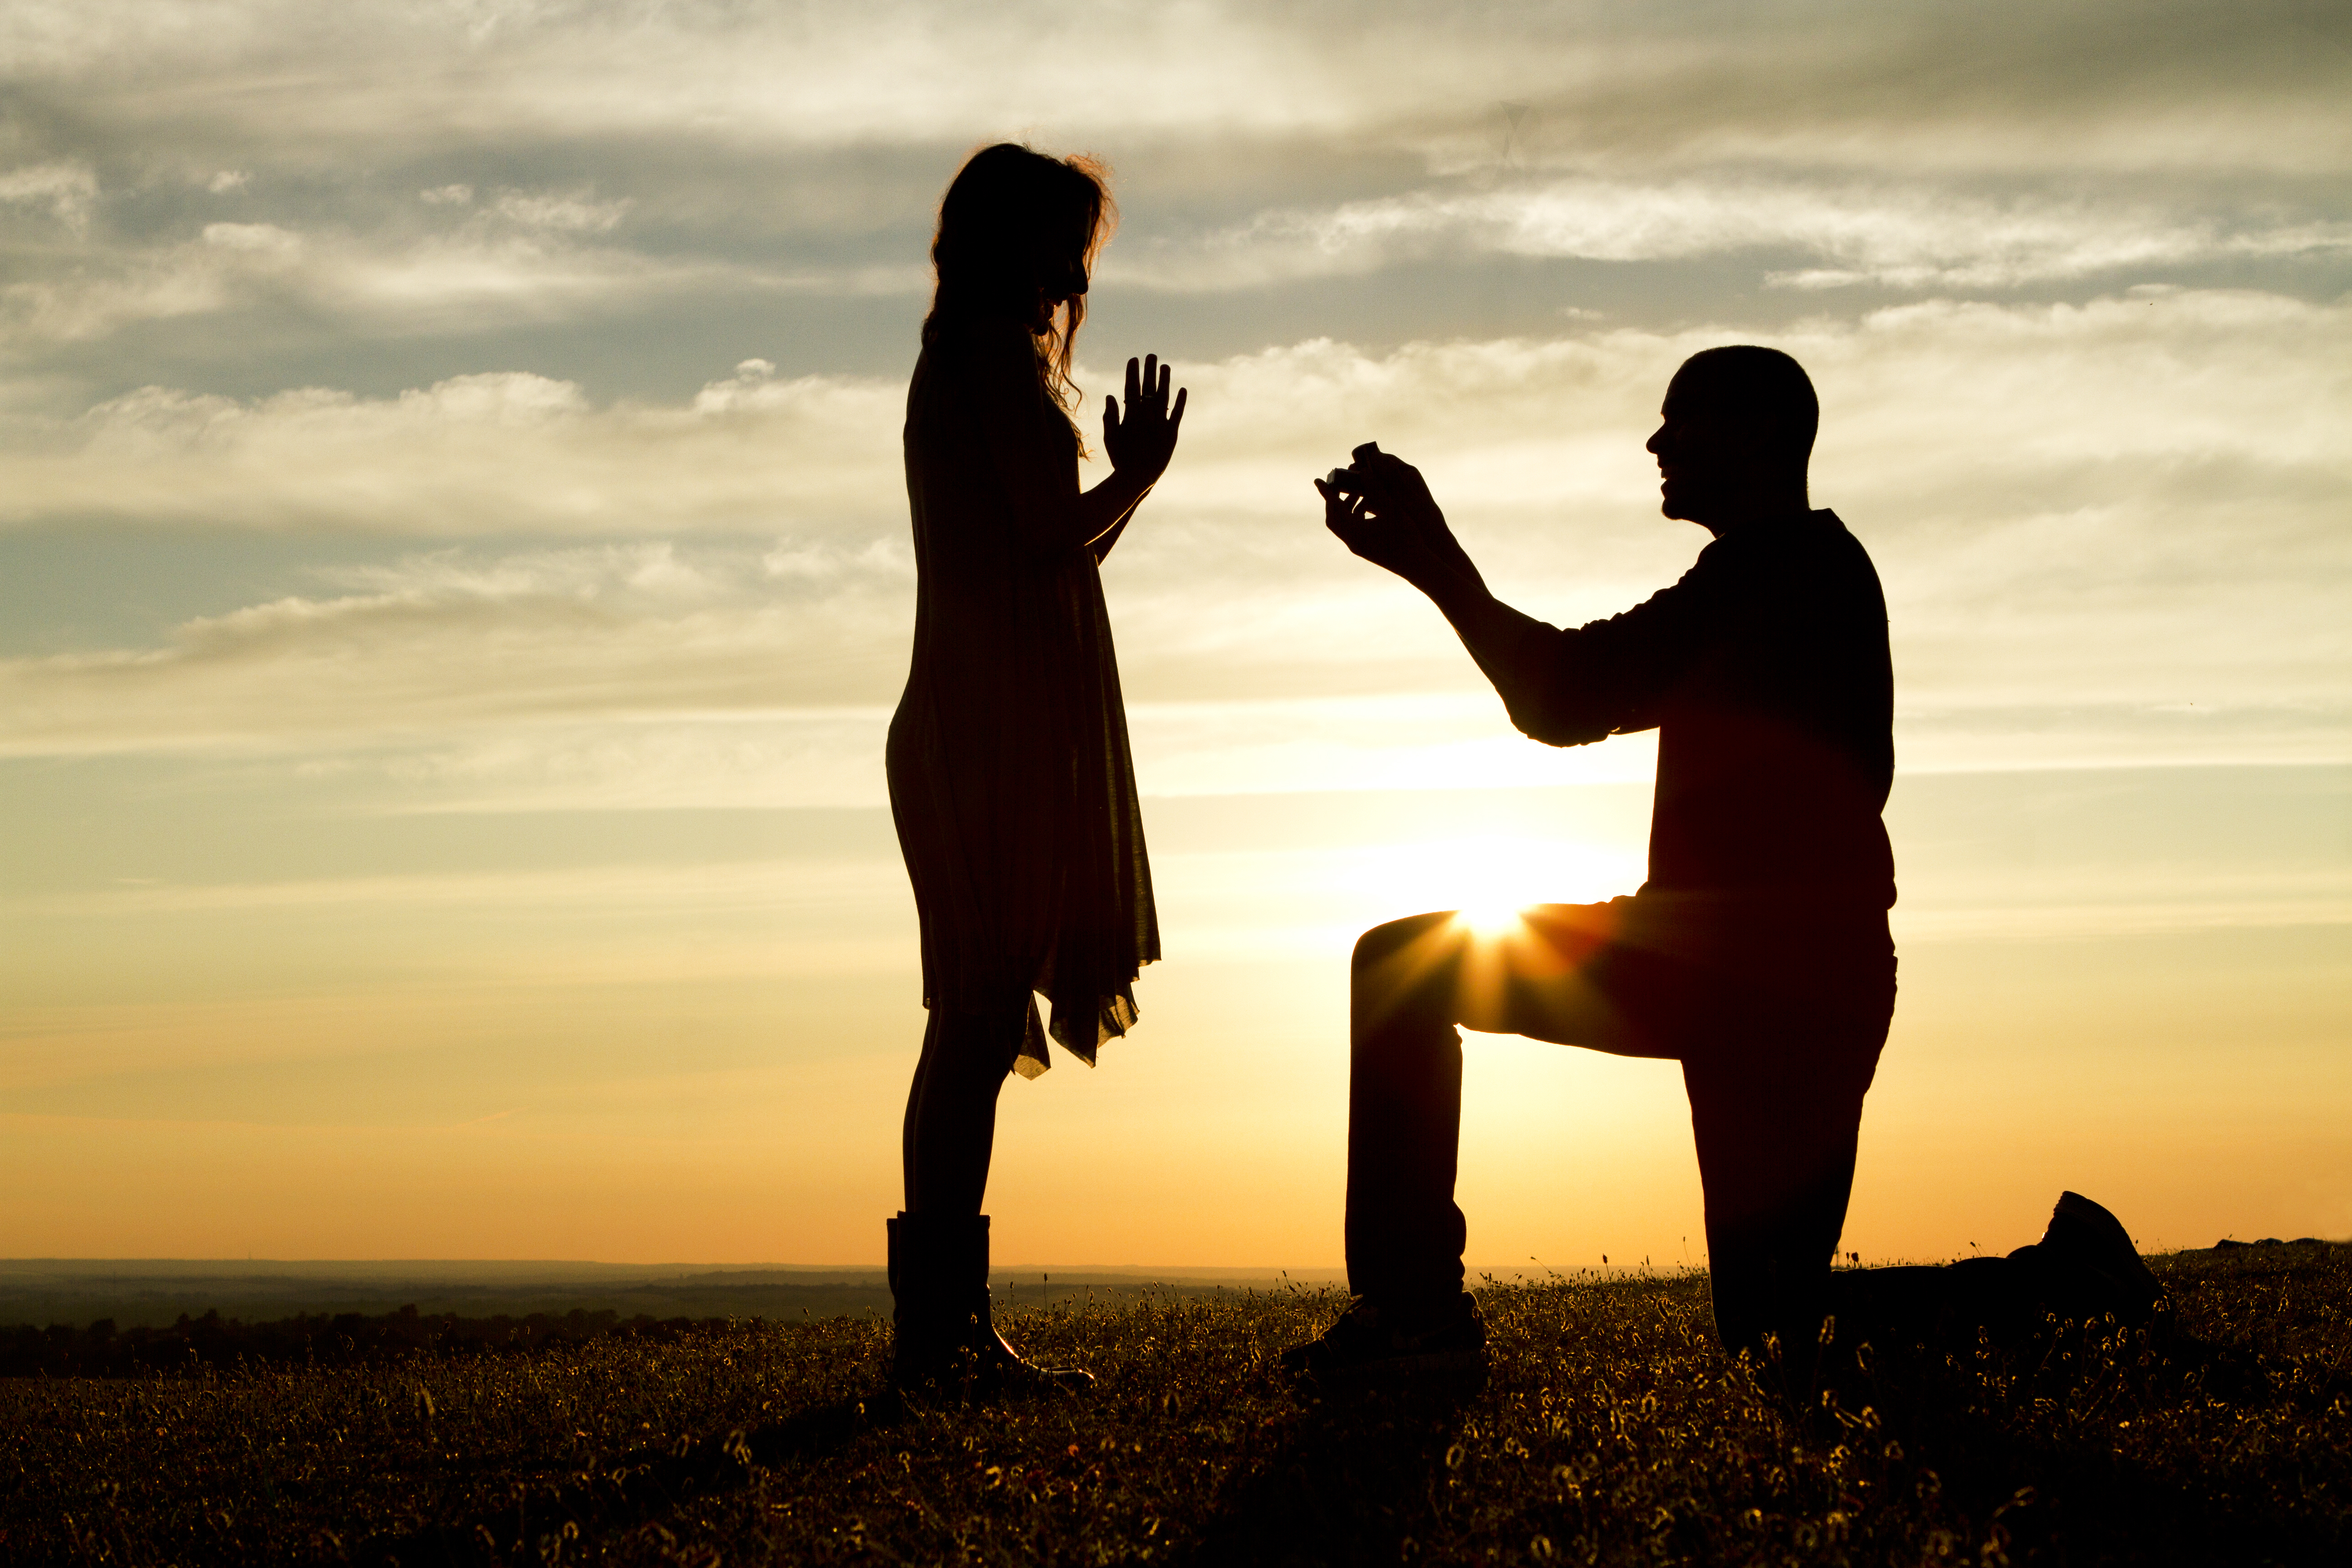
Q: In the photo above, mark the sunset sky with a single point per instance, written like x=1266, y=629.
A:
x=454, y=577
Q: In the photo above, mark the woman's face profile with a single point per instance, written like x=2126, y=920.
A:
x=1061, y=275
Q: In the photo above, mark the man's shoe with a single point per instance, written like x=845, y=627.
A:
x=1372, y=1344
x=2085, y=1239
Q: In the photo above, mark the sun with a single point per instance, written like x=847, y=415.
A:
x=1488, y=881
x=1491, y=918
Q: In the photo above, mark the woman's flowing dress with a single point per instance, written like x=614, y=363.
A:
x=1010, y=782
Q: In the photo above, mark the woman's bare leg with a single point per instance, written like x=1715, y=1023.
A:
x=943, y=1323
x=950, y=1127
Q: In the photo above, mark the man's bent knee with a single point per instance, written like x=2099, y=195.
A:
x=1407, y=969
x=1398, y=939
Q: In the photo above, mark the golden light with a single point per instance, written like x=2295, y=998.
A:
x=1490, y=919
x=1488, y=881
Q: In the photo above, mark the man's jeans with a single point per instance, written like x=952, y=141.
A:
x=1777, y=1017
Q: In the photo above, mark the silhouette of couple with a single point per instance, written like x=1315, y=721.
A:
x=1757, y=953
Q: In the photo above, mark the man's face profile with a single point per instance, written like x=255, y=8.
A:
x=1700, y=450
x=1724, y=450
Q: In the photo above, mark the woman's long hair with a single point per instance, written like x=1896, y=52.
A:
x=1006, y=213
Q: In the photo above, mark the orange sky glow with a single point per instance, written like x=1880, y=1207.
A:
x=457, y=575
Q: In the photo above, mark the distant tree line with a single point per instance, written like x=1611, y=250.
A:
x=317, y=1339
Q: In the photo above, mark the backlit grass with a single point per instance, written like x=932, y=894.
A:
x=1612, y=1430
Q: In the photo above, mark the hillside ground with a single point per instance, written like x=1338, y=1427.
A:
x=1610, y=1430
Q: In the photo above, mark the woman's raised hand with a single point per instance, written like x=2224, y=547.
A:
x=1141, y=444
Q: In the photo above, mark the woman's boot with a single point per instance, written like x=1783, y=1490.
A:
x=930, y=1310
x=939, y=1287
x=1001, y=1366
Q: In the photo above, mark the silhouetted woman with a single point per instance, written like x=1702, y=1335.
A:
x=1010, y=779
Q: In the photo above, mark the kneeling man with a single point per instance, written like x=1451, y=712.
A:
x=1756, y=954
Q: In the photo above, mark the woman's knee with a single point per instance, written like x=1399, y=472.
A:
x=976, y=1043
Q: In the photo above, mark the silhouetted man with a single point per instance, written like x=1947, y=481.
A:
x=1757, y=953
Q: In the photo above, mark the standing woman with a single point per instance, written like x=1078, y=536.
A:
x=1010, y=779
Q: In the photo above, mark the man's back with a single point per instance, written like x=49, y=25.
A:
x=1764, y=671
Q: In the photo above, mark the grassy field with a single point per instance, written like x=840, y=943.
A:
x=1612, y=1430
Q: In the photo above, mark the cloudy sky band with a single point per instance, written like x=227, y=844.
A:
x=454, y=576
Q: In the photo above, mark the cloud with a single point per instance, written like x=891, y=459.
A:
x=494, y=452
x=441, y=171
x=260, y=239
x=526, y=258
x=2108, y=532
x=1907, y=238
x=69, y=189
x=447, y=644
x=802, y=72
x=563, y=214
x=226, y=262
x=1815, y=79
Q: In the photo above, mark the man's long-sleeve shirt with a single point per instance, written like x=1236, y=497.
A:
x=1765, y=671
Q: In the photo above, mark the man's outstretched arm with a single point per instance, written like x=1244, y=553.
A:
x=1382, y=510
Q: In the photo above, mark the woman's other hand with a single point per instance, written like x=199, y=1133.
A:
x=1141, y=444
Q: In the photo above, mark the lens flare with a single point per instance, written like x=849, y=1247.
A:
x=1489, y=880
x=1490, y=918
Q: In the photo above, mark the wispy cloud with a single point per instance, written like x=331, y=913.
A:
x=525, y=258
x=447, y=644
x=67, y=188
x=494, y=452
x=1830, y=75
x=1903, y=237
x=2128, y=512
x=314, y=186
x=2085, y=473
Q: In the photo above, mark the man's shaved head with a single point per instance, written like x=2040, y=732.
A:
x=1737, y=435
x=1746, y=384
